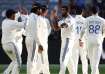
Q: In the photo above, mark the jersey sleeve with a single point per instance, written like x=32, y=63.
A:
x=60, y=22
x=37, y=31
x=70, y=21
x=17, y=25
x=103, y=29
x=48, y=27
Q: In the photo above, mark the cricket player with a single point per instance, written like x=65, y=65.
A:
x=66, y=24
x=43, y=31
x=19, y=38
x=9, y=43
x=77, y=49
x=94, y=30
x=31, y=34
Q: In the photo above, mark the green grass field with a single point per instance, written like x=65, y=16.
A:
x=54, y=69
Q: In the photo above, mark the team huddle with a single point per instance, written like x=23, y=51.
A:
x=79, y=37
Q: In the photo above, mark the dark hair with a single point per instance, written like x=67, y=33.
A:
x=78, y=10
x=94, y=9
x=10, y=12
x=35, y=7
x=65, y=7
x=44, y=8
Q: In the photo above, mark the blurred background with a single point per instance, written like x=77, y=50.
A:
x=54, y=41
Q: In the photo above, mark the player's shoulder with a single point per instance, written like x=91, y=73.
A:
x=40, y=18
x=79, y=17
x=32, y=15
x=95, y=17
x=101, y=18
x=89, y=17
x=9, y=22
x=47, y=20
x=24, y=16
x=4, y=21
x=71, y=19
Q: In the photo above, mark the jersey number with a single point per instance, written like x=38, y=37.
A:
x=94, y=29
x=78, y=29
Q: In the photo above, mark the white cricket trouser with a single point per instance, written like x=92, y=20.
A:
x=19, y=45
x=31, y=46
x=66, y=56
x=11, y=50
x=42, y=63
x=77, y=50
x=94, y=54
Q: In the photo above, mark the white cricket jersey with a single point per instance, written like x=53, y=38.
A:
x=9, y=30
x=24, y=19
x=43, y=29
x=31, y=24
x=95, y=28
x=17, y=15
x=80, y=24
x=48, y=26
x=31, y=29
x=69, y=31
